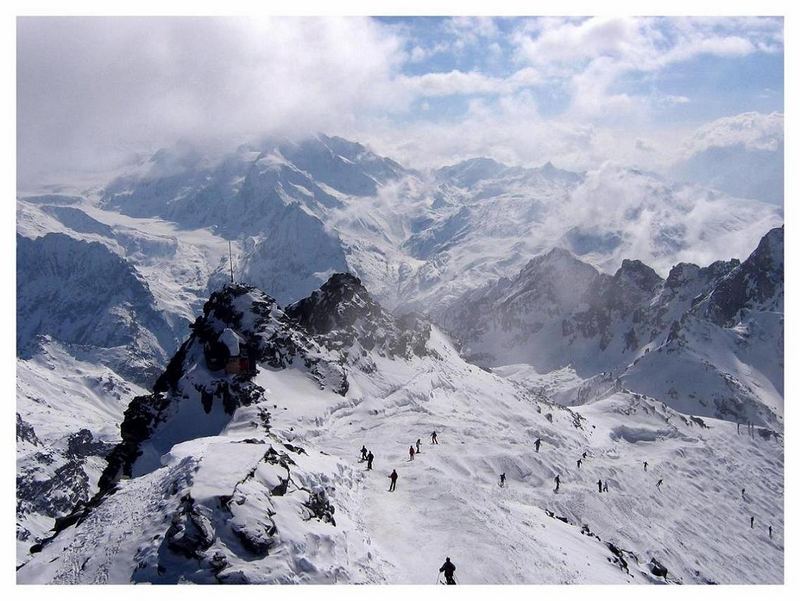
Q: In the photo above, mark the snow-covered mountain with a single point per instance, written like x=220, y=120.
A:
x=706, y=341
x=302, y=211
x=111, y=279
x=84, y=295
x=242, y=466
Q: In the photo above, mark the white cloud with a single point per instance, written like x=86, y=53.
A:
x=91, y=89
x=753, y=131
x=473, y=82
x=511, y=130
x=593, y=54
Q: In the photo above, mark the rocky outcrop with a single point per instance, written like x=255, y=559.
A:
x=705, y=321
x=342, y=313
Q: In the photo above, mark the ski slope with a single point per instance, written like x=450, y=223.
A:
x=448, y=501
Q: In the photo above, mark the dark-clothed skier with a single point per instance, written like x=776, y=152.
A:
x=418, y=443
x=393, y=478
x=502, y=480
x=434, y=439
x=449, y=569
x=557, y=480
x=645, y=466
x=363, y=453
x=659, y=483
x=537, y=444
x=770, y=531
x=752, y=519
x=370, y=457
x=579, y=463
x=599, y=486
x=411, y=453
x=605, y=486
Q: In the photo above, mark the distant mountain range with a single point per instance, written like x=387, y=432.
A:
x=367, y=291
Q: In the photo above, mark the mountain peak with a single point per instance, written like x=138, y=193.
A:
x=642, y=276
x=338, y=303
x=469, y=172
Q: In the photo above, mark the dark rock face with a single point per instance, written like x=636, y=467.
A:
x=342, y=312
x=338, y=304
x=59, y=492
x=25, y=432
x=190, y=531
x=756, y=283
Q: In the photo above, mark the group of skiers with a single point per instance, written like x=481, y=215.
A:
x=448, y=568
x=753, y=521
x=366, y=455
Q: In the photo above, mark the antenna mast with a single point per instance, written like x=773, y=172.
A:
x=230, y=258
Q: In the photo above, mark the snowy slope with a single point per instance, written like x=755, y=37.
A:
x=111, y=278
x=102, y=302
x=68, y=416
x=707, y=340
x=232, y=498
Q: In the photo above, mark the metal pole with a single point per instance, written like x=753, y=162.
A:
x=230, y=257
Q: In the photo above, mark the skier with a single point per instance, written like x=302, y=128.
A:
x=537, y=444
x=448, y=568
x=363, y=453
x=434, y=440
x=737, y=427
x=645, y=466
x=599, y=486
x=770, y=531
x=605, y=486
x=752, y=519
x=393, y=478
x=502, y=480
x=743, y=493
x=411, y=453
x=659, y=483
x=370, y=457
x=579, y=464
x=418, y=443
x=557, y=480
x=584, y=454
